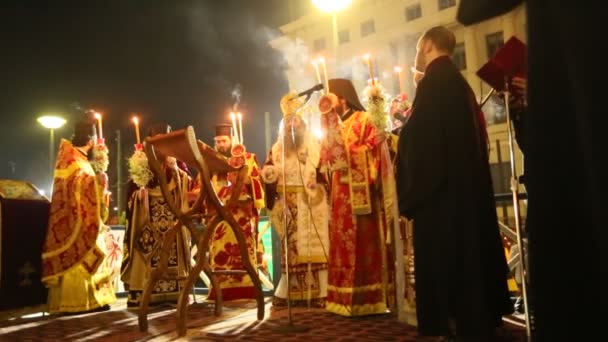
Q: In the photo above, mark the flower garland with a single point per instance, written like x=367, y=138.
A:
x=139, y=169
x=375, y=96
x=100, y=160
x=403, y=103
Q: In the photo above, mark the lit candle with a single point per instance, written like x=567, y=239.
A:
x=322, y=61
x=399, y=70
x=240, y=117
x=234, y=130
x=98, y=117
x=368, y=59
x=316, y=66
x=136, y=122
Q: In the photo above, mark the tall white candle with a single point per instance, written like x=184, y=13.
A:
x=240, y=117
x=234, y=128
x=98, y=117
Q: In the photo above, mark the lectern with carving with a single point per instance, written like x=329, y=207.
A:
x=183, y=145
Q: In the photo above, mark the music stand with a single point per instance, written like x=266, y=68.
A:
x=508, y=62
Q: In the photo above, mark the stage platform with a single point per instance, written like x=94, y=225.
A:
x=237, y=323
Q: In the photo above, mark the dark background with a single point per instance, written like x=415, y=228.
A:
x=181, y=62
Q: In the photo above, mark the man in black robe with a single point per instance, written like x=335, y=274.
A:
x=565, y=163
x=444, y=185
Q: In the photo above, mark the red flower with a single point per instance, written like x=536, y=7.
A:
x=221, y=258
x=232, y=249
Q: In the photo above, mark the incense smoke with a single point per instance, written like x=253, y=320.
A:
x=236, y=96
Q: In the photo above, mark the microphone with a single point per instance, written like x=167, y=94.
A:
x=311, y=90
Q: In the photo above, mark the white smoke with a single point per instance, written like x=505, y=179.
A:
x=297, y=60
x=236, y=96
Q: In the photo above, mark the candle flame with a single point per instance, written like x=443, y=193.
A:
x=366, y=56
x=135, y=120
x=239, y=115
x=314, y=62
x=232, y=115
x=321, y=59
x=398, y=69
x=97, y=115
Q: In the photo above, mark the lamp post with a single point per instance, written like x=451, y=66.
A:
x=51, y=122
x=333, y=7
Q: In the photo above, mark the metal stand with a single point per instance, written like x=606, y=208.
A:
x=514, y=191
x=290, y=327
x=485, y=99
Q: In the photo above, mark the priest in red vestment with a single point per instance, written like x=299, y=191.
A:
x=350, y=154
x=224, y=250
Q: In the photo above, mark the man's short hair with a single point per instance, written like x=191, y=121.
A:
x=444, y=39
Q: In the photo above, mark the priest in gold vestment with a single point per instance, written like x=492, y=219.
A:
x=298, y=206
x=74, y=258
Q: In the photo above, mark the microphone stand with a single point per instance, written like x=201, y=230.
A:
x=514, y=191
x=485, y=99
x=290, y=327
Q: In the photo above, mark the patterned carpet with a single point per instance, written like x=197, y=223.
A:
x=238, y=322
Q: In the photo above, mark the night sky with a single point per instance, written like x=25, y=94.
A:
x=173, y=61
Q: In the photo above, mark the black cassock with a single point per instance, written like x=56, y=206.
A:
x=565, y=162
x=444, y=185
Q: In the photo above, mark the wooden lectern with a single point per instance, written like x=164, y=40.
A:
x=183, y=146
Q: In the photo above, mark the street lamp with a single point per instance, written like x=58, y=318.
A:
x=51, y=122
x=333, y=7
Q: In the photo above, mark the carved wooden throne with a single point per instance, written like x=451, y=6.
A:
x=183, y=145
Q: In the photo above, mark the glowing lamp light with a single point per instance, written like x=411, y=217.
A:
x=51, y=121
x=318, y=133
x=331, y=6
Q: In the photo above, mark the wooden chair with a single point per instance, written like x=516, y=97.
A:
x=183, y=145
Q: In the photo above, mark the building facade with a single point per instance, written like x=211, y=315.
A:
x=388, y=31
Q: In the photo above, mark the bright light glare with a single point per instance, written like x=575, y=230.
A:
x=331, y=6
x=51, y=121
x=318, y=133
x=41, y=192
x=398, y=69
